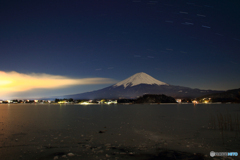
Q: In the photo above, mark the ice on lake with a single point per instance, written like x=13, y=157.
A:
x=118, y=131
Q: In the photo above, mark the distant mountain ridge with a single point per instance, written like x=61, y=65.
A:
x=140, y=84
x=232, y=95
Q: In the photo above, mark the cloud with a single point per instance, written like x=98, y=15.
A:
x=201, y=15
x=183, y=12
x=206, y=26
x=187, y=23
x=12, y=82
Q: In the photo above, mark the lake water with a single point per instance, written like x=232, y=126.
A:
x=173, y=131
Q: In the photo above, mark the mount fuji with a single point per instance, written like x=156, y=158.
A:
x=140, y=84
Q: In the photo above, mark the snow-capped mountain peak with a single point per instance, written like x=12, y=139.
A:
x=139, y=78
x=142, y=83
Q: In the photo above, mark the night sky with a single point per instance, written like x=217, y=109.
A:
x=191, y=43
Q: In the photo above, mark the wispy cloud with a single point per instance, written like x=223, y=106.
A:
x=201, y=15
x=187, y=23
x=12, y=82
x=183, y=12
x=206, y=26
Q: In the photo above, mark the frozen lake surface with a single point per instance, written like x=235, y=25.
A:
x=166, y=131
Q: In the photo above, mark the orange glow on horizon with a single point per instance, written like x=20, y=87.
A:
x=12, y=82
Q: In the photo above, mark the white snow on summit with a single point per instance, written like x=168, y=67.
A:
x=139, y=78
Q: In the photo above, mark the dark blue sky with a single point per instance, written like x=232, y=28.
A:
x=192, y=43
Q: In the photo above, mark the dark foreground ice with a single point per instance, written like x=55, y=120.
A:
x=117, y=131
